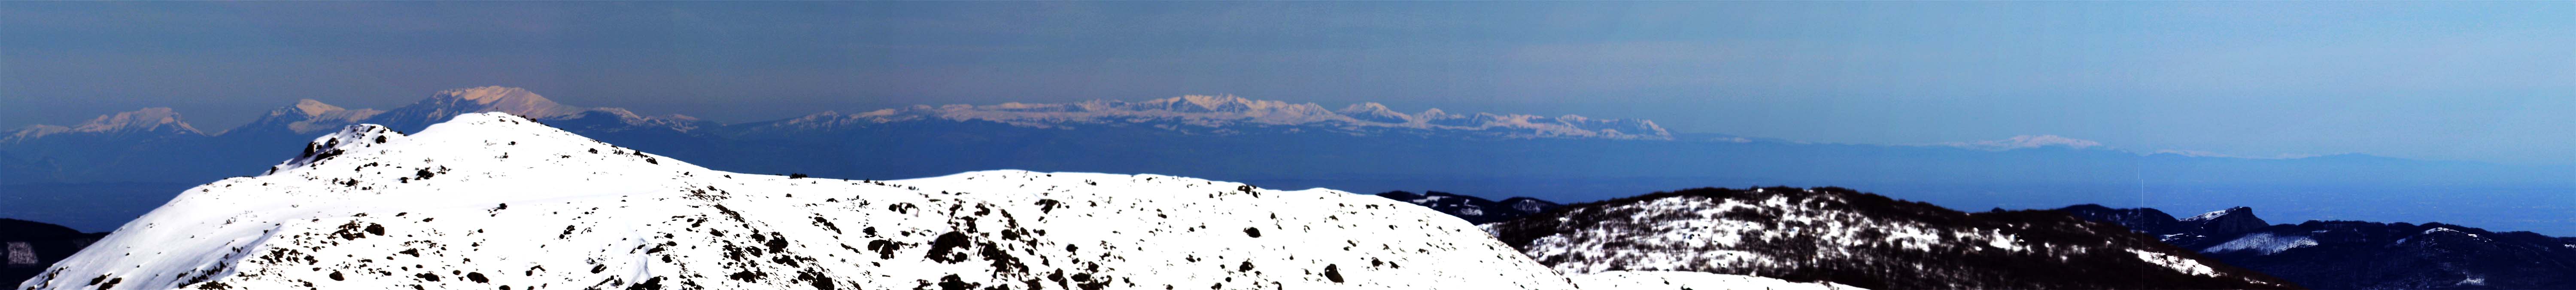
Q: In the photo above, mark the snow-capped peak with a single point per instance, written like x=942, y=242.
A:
x=515, y=101
x=306, y=116
x=312, y=108
x=146, y=119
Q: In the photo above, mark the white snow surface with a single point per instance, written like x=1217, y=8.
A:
x=491, y=200
x=2185, y=265
x=1678, y=280
x=2263, y=242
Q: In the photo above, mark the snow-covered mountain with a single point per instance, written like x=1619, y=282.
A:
x=447, y=104
x=1475, y=210
x=491, y=200
x=305, y=118
x=1861, y=239
x=147, y=122
x=1223, y=115
x=2368, y=255
x=140, y=143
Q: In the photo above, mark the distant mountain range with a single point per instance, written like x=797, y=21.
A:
x=1178, y=134
x=1364, y=147
x=105, y=148
x=2361, y=255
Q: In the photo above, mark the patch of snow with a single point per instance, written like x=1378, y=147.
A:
x=2186, y=266
x=2448, y=230
x=2264, y=242
x=2000, y=240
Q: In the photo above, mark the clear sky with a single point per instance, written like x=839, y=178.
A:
x=2489, y=81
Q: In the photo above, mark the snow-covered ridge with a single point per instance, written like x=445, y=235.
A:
x=491, y=200
x=1218, y=112
x=1856, y=238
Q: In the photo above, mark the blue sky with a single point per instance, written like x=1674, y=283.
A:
x=2486, y=81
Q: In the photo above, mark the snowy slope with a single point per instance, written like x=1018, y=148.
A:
x=493, y=201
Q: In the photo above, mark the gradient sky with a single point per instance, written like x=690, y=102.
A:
x=2487, y=81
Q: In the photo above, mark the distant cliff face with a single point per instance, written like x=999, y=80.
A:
x=2229, y=221
x=27, y=247
x=2364, y=255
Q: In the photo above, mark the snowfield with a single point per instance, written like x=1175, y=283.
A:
x=495, y=201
